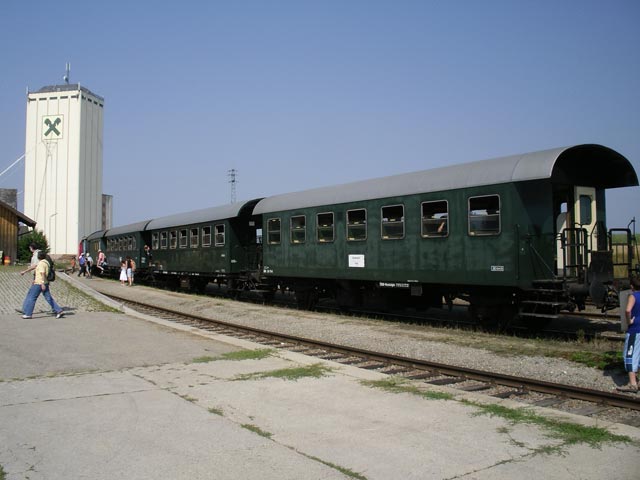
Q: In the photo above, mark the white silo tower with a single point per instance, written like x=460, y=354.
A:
x=63, y=164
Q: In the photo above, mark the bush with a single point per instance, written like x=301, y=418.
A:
x=35, y=236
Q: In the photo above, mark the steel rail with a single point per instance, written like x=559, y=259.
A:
x=522, y=384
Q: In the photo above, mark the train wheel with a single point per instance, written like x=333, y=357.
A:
x=306, y=299
x=537, y=324
x=507, y=314
x=173, y=283
x=268, y=295
x=199, y=286
x=493, y=317
x=448, y=300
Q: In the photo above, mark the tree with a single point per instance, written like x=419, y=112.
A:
x=34, y=236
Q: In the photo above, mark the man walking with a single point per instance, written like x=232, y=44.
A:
x=33, y=248
x=40, y=285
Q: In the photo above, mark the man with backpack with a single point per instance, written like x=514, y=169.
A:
x=34, y=258
x=44, y=274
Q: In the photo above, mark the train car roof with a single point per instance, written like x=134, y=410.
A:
x=587, y=165
x=96, y=234
x=210, y=214
x=131, y=228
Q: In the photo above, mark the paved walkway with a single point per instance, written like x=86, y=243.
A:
x=13, y=288
x=101, y=395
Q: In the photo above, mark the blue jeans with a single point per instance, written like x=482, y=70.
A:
x=33, y=294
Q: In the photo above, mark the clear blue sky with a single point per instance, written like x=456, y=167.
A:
x=302, y=94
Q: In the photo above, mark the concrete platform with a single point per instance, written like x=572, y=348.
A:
x=103, y=395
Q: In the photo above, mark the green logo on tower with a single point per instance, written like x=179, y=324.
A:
x=52, y=127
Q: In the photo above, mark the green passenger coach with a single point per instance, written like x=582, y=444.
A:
x=512, y=235
x=212, y=244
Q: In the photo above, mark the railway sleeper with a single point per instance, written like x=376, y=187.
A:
x=475, y=388
x=510, y=393
x=589, y=410
x=371, y=365
x=422, y=375
x=550, y=402
x=447, y=381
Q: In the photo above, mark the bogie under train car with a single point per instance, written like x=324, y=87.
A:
x=521, y=235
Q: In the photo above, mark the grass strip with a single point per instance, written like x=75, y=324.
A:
x=400, y=385
x=239, y=355
x=345, y=471
x=316, y=370
x=257, y=430
x=569, y=433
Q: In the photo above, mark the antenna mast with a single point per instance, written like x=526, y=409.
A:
x=67, y=73
x=232, y=180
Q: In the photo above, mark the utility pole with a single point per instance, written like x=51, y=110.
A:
x=232, y=174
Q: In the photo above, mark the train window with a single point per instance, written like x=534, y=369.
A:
x=134, y=243
x=182, y=238
x=298, y=229
x=325, y=227
x=357, y=224
x=206, y=236
x=585, y=210
x=484, y=215
x=435, y=219
x=392, y=224
x=163, y=240
x=121, y=245
x=193, y=239
x=173, y=239
x=130, y=243
x=273, y=231
x=155, y=241
x=220, y=235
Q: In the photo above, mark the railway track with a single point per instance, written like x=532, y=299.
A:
x=620, y=408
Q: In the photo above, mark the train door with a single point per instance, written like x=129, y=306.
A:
x=585, y=215
x=577, y=232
